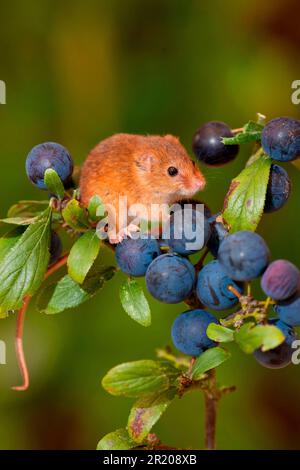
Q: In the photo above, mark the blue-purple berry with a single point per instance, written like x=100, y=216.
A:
x=278, y=189
x=189, y=332
x=280, y=139
x=170, y=278
x=244, y=255
x=289, y=310
x=189, y=231
x=280, y=280
x=212, y=287
x=45, y=156
x=133, y=256
x=208, y=146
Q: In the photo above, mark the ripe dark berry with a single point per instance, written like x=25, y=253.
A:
x=188, y=226
x=278, y=190
x=280, y=280
x=280, y=139
x=281, y=356
x=289, y=310
x=48, y=155
x=207, y=145
x=189, y=332
x=244, y=255
x=212, y=287
x=134, y=256
x=55, y=248
x=218, y=233
x=170, y=278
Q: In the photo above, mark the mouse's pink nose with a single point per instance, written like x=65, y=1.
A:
x=198, y=184
x=198, y=180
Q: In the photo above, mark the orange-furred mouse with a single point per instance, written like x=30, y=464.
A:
x=145, y=169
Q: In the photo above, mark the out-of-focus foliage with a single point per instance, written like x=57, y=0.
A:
x=77, y=72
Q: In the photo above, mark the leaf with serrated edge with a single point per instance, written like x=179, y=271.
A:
x=116, y=440
x=219, y=333
x=250, y=337
x=75, y=216
x=208, y=360
x=135, y=303
x=146, y=412
x=68, y=294
x=54, y=183
x=22, y=269
x=245, y=200
x=139, y=378
x=82, y=255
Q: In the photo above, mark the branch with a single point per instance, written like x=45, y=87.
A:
x=210, y=403
x=20, y=327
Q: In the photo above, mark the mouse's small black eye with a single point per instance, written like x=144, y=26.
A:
x=172, y=171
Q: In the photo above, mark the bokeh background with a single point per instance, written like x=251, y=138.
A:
x=79, y=71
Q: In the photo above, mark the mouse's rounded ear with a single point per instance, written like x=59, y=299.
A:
x=172, y=139
x=145, y=161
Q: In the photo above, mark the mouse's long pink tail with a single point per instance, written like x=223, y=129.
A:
x=20, y=329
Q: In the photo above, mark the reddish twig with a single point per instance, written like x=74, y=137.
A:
x=20, y=327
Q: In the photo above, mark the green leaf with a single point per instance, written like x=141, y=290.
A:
x=116, y=440
x=82, y=255
x=135, y=303
x=250, y=337
x=68, y=294
x=22, y=269
x=20, y=220
x=27, y=209
x=245, y=200
x=251, y=133
x=75, y=216
x=146, y=412
x=139, y=378
x=8, y=240
x=95, y=207
x=54, y=183
x=219, y=333
x=210, y=359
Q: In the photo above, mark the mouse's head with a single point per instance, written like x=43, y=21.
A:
x=164, y=166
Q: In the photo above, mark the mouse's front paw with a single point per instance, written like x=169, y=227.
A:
x=125, y=232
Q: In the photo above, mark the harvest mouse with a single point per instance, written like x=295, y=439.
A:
x=145, y=169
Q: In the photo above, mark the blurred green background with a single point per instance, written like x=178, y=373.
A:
x=79, y=71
